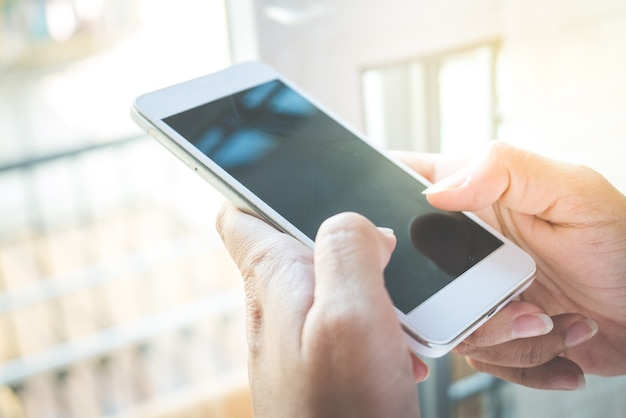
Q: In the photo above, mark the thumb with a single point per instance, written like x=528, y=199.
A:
x=350, y=257
x=520, y=180
x=351, y=307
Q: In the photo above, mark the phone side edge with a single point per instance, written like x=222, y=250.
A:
x=216, y=181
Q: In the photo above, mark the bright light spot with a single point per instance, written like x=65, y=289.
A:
x=465, y=101
x=60, y=19
x=88, y=10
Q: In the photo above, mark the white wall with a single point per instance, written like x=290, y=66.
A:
x=564, y=91
x=326, y=54
x=564, y=62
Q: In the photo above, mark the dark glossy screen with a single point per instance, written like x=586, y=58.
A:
x=308, y=167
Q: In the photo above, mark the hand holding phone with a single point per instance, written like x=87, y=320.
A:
x=273, y=152
x=322, y=329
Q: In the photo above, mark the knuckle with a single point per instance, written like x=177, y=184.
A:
x=502, y=154
x=479, y=337
x=254, y=325
x=526, y=376
x=499, y=149
x=534, y=354
x=255, y=259
x=252, y=261
x=221, y=219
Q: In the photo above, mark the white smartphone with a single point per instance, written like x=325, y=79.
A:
x=272, y=151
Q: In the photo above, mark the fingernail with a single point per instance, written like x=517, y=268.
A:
x=580, y=331
x=531, y=326
x=452, y=182
x=568, y=381
x=420, y=373
x=386, y=231
x=420, y=369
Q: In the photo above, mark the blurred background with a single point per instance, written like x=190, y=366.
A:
x=117, y=298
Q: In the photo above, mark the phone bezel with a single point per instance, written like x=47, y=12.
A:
x=456, y=314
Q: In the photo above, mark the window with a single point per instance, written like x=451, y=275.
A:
x=445, y=102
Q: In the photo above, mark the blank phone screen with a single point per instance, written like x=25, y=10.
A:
x=308, y=167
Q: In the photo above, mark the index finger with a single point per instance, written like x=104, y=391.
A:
x=526, y=183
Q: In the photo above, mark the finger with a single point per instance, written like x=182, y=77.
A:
x=276, y=269
x=351, y=255
x=352, y=333
x=245, y=236
x=351, y=303
x=420, y=369
x=520, y=180
x=569, y=330
x=516, y=320
x=557, y=374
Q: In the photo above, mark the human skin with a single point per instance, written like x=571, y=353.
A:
x=323, y=336
x=573, y=222
x=322, y=331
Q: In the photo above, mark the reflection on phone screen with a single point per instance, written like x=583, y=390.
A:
x=308, y=167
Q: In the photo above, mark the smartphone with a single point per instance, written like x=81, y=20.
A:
x=274, y=152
